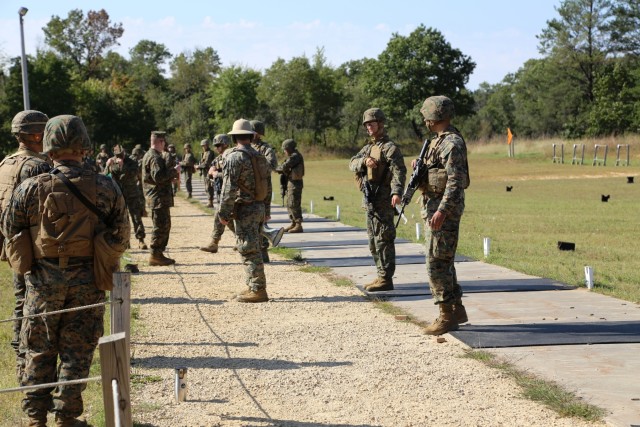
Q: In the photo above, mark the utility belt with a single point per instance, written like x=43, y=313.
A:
x=66, y=262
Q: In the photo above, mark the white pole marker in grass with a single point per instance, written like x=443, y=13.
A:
x=486, y=246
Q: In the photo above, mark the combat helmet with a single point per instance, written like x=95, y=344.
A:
x=437, y=108
x=29, y=121
x=373, y=115
x=257, y=126
x=241, y=127
x=204, y=142
x=187, y=145
x=221, y=139
x=65, y=131
x=137, y=151
x=288, y=145
x=171, y=146
x=103, y=146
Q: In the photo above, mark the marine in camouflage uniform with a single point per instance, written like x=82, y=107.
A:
x=221, y=143
x=102, y=157
x=206, y=158
x=293, y=169
x=238, y=203
x=61, y=275
x=173, y=160
x=442, y=208
x=380, y=166
x=124, y=171
x=157, y=178
x=188, y=167
x=137, y=154
x=28, y=128
x=269, y=153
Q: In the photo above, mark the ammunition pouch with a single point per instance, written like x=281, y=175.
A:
x=375, y=175
x=106, y=261
x=436, y=181
x=19, y=251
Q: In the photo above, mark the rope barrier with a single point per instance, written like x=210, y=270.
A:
x=50, y=385
x=66, y=310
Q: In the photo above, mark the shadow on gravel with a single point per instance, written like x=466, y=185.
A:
x=291, y=423
x=167, y=362
x=173, y=300
x=210, y=344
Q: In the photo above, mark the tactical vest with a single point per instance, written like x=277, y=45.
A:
x=66, y=227
x=10, y=170
x=297, y=173
x=261, y=171
x=436, y=176
x=376, y=175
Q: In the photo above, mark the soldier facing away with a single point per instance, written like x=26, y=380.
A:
x=188, y=167
x=293, y=169
x=206, y=159
x=61, y=274
x=157, y=178
x=380, y=173
x=28, y=128
x=102, y=157
x=124, y=171
x=442, y=208
x=243, y=201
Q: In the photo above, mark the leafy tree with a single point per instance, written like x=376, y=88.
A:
x=233, y=95
x=327, y=97
x=83, y=40
x=417, y=66
x=625, y=27
x=147, y=61
x=356, y=98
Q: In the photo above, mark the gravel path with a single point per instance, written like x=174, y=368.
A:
x=315, y=355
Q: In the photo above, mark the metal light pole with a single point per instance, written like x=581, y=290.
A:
x=25, y=77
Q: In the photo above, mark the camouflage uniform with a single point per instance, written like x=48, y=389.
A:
x=293, y=169
x=248, y=214
x=218, y=227
x=32, y=164
x=270, y=154
x=101, y=159
x=380, y=225
x=137, y=154
x=188, y=167
x=157, y=177
x=448, y=169
x=57, y=282
x=124, y=172
x=205, y=163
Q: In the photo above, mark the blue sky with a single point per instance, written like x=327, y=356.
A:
x=499, y=35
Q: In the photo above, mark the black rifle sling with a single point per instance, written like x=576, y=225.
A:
x=76, y=192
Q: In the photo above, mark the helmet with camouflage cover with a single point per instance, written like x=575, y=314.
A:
x=437, y=108
x=373, y=115
x=204, y=142
x=103, y=146
x=221, y=139
x=257, y=126
x=187, y=145
x=29, y=121
x=66, y=131
x=288, y=145
x=137, y=151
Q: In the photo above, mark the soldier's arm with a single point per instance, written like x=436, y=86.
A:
x=357, y=162
x=270, y=154
x=23, y=206
x=453, y=159
x=110, y=201
x=291, y=162
x=397, y=169
x=160, y=173
x=231, y=174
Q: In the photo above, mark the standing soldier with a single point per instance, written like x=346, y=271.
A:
x=205, y=163
x=187, y=165
x=442, y=208
x=124, y=171
x=102, y=157
x=269, y=153
x=157, y=178
x=243, y=201
x=28, y=128
x=293, y=169
x=173, y=161
x=221, y=143
x=380, y=172
x=137, y=154
x=61, y=271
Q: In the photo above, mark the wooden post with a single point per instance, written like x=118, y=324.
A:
x=114, y=364
x=121, y=311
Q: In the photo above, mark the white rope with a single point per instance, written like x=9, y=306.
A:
x=50, y=385
x=66, y=310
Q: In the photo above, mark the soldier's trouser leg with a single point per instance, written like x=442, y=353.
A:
x=294, y=200
x=247, y=226
x=19, y=290
x=161, y=218
x=218, y=228
x=135, y=212
x=441, y=248
x=382, y=234
x=187, y=183
x=73, y=336
x=208, y=185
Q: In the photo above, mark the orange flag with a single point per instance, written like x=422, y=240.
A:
x=509, y=136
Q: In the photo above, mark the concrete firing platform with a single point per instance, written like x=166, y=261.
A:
x=605, y=375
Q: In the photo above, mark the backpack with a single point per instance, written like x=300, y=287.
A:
x=10, y=169
x=261, y=172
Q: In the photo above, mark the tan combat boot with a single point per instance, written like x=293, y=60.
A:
x=375, y=282
x=297, y=228
x=158, y=258
x=444, y=323
x=250, y=296
x=142, y=244
x=383, y=284
x=290, y=226
x=69, y=422
x=210, y=204
x=37, y=421
x=460, y=312
x=211, y=247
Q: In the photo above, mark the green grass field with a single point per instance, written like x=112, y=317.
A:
x=549, y=203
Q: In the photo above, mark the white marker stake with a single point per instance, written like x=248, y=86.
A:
x=417, y=231
x=338, y=213
x=588, y=277
x=486, y=245
x=311, y=206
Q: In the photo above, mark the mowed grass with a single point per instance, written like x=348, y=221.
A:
x=548, y=203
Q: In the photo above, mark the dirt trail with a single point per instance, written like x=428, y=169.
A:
x=315, y=355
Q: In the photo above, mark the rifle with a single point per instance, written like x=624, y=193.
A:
x=283, y=186
x=217, y=185
x=416, y=176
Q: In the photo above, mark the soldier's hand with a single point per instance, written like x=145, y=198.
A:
x=413, y=163
x=435, y=223
x=223, y=221
x=371, y=163
x=395, y=200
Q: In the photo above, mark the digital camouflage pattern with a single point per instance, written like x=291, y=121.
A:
x=206, y=158
x=124, y=171
x=29, y=121
x=381, y=229
x=157, y=179
x=373, y=115
x=72, y=337
x=293, y=169
x=269, y=153
x=447, y=153
x=66, y=131
x=218, y=227
x=248, y=214
x=187, y=166
x=437, y=108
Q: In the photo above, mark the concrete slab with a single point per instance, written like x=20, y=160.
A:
x=328, y=238
x=340, y=256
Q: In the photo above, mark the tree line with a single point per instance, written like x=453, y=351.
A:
x=587, y=83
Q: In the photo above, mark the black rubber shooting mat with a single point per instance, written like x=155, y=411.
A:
x=359, y=255
x=551, y=333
